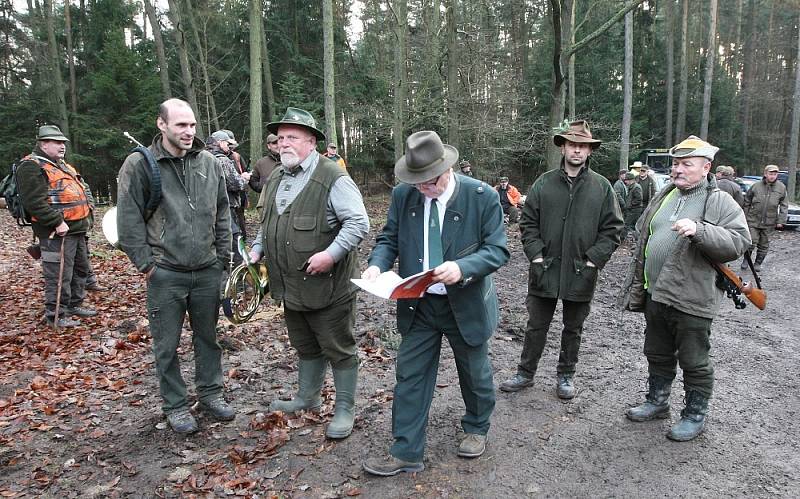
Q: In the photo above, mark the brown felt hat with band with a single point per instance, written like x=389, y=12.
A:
x=578, y=132
x=426, y=158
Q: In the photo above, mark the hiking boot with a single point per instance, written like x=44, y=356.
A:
x=345, y=381
x=218, y=409
x=182, y=421
x=311, y=375
x=656, y=404
x=516, y=383
x=95, y=287
x=473, y=445
x=693, y=418
x=757, y=266
x=80, y=312
x=63, y=322
x=743, y=266
x=390, y=466
x=564, y=388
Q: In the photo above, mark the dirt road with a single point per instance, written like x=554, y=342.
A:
x=79, y=410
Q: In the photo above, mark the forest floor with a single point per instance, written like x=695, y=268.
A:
x=80, y=412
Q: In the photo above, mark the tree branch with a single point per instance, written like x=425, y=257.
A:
x=602, y=29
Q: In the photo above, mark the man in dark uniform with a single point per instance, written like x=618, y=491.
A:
x=454, y=225
x=265, y=165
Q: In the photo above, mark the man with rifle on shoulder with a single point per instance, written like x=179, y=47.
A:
x=689, y=226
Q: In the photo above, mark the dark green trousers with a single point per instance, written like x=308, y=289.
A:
x=170, y=295
x=327, y=332
x=540, y=315
x=417, y=365
x=673, y=337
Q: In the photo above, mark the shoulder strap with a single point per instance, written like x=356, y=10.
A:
x=155, y=180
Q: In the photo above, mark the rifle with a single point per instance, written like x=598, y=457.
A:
x=734, y=287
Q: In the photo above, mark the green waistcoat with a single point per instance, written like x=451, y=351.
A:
x=302, y=230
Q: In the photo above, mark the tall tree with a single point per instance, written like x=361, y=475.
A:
x=670, y=69
x=183, y=57
x=560, y=55
x=400, y=8
x=256, y=131
x=265, y=64
x=683, y=92
x=572, y=7
x=202, y=58
x=163, y=65
x=58, y=80
x=73, y=90
x=795, y=131
x=328, y=70
x=711, y=49
x=748, y=72
x=627, y=94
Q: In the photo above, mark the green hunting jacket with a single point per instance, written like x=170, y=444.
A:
x=687, y=280
x=765, y=204
x=191, y=228
x=568, y=224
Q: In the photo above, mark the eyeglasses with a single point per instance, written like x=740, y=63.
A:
x=429, y=183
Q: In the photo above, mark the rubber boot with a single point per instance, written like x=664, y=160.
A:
x=311, y=375
x=656, y=404
x=693, y=418
x=342, y=424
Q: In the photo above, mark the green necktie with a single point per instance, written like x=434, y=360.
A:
x=435, y=257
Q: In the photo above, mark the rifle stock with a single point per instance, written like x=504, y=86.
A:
x=757, y=296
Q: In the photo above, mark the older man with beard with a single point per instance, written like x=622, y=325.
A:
x=313, y=220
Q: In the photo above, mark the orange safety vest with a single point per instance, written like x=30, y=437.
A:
x=65, y=191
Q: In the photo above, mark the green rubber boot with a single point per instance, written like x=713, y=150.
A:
x=311, y=375
x=656, y=404
x=693, y=418
x=342, y=424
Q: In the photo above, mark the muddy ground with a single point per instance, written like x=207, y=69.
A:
x=79, y=409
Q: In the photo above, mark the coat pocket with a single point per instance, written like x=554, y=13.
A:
x=585, y=278
x=538, y=273
x=305, y=235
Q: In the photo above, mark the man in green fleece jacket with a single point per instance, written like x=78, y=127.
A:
x=181, y=249
x=688, y=224
x=571, y=224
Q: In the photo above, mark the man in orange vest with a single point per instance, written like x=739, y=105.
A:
x=59, y=204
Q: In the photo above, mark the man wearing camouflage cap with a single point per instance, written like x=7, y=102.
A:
x=766, y=208
x=689, y=224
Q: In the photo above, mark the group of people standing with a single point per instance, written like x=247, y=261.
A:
x=312, y=220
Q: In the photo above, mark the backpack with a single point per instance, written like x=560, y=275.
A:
x=9, y=190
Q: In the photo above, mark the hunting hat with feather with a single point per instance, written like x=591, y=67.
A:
x=576, y=131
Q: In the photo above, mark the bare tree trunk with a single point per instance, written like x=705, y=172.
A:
x=183, y=57
x=73, y=90
x=748, y=72
x=400, y=75
x=256, y=132
x=737, y=57
x=793, y=137
x=328, y=70
x=203, y=59
x=670, y=70
x=571, y=70
x=453, y=115
x=58, y=80
x=163, y=65
x=627, y=94
x=267, y=75
x=711, y=48
x=683, y=92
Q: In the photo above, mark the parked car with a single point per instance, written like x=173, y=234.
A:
x=793, y=218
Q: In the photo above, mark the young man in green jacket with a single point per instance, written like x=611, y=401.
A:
x=571, y=224
x=180, y=249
